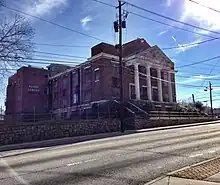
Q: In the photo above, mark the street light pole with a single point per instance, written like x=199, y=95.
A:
x=210, y=93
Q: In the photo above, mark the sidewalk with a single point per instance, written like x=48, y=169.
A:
x=207, y=172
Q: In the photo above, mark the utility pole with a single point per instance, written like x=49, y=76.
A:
x=210, y=91
x=34, y=113
x=210, y=96
x=121, y=70
x=118, y=25
x=193, y=98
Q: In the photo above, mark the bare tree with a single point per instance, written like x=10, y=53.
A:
x=16, y=34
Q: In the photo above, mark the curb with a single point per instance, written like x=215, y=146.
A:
x=193, y=165
x=181, y=169
x=76, y=139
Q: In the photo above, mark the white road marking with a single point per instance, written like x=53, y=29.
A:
x=118, y=154
x=196, y=155
x=80, y=162
x=13, y=173
x=212, y=151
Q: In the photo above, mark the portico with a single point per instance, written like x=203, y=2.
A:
x=161, y=80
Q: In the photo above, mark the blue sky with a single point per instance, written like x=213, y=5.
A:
x=96, y=19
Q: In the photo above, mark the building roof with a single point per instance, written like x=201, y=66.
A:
x=129, y=48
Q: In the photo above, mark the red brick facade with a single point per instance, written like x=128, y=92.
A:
x=26, y=92
x=94, y=80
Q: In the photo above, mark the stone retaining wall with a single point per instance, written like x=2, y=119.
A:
x=11, y=134
x=144, y=123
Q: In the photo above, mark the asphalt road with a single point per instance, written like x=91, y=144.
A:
x=128, y=159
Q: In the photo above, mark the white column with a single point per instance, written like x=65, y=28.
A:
x=170, y=88
x=136, y=81
x=159, y=82
x=149, y=92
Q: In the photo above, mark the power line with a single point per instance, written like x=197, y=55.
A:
x=61, y=45
x=194, y=77
x=34, y=62
x=52, y=23
x=51, y=60
x=192, y=44
x=160, y=22
x=169, y=18
x=205, y=6
x=73, y=56
x=56, y=57
x=199, y=62
x=205, y=68
x=173, y=26
x=211, y=71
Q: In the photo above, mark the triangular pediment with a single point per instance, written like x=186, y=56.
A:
x=156, y=55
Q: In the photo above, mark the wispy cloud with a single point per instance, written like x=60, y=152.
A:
x=84, y=21
x=174, y=38
x=203, y=16
x=41, y=7
x=162, y=33
x=187, y=46
x=193, y=79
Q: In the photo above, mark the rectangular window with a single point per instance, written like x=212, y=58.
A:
x=65, y=82
x=144, y=93
x=75, y=98
x=64, y=103
x=132, y=92
x=142, y=69
x=87, y=96
x=97, y=74
x=115, y=92
x=155, y=94
x=64, y=92
x=165, y=76
x=165, y=97
x=75, y=80
x=115, y=70
x=87, y=75
x=115, y=82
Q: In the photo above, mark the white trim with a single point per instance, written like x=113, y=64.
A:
x=131, y=84
x=96, y=81
x=87, y=67
x=79, y=66
x=114, y=61
x=96, y=69
x=103, y=55
x=168, y=106
x=144, y=86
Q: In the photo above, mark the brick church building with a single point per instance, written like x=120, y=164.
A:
x=148, y=77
